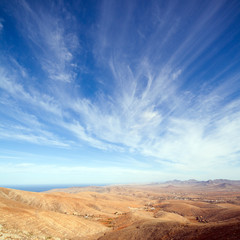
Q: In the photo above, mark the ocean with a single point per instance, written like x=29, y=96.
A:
x=43, y=188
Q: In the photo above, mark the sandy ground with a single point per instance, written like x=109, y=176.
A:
x=122, y=212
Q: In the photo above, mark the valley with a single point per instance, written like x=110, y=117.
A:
x=171, y=210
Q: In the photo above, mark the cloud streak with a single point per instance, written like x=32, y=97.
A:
x=80, y=174
x=157, y=83
x=51, y=37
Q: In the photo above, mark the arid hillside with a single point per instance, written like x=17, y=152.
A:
x=155, y=211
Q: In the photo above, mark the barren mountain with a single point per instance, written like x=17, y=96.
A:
x=157, y=211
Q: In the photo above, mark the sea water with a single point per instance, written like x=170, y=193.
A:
x=43, y=188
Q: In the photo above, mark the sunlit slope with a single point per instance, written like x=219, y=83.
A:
x=61, y=214
x=144, y=212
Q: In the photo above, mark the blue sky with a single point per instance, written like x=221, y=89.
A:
x=119, y=91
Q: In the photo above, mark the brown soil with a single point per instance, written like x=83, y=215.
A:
x=121, y=212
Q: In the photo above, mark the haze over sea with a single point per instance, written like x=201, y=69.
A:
x=46, y=187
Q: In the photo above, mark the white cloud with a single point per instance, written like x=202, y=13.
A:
x=147, y=111
x=36, y=136
x=52, y=37
x=10, y=84
x=155, y=120
x=26, y=125
x=164, y=125
x=74, y=174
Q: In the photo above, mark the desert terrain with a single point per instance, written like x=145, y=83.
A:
x=174, y=210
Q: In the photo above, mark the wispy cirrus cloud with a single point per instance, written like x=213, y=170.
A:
x=20, y=124
x=78, y=174
x=1, y=26
x=11, y=84
x=158, y=84
x=49, y=32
